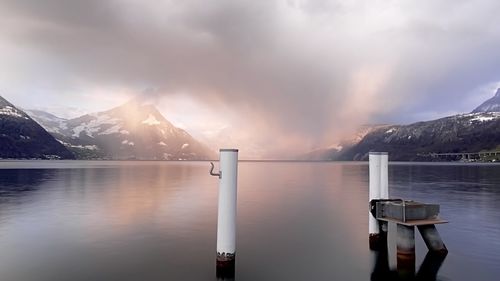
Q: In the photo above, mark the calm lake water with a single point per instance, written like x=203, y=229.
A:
x=79, y=220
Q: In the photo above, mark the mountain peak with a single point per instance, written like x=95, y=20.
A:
x=24, y=138
x=137, y=110
x=133, y=130
x=143, y=100
x=4, y=102
x=491, y=105
x=8, y=109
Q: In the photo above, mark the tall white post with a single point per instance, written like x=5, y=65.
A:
x=226, y=221
x=384, y=175
x=378, y=189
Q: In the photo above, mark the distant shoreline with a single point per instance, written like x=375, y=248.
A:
x=250, y=161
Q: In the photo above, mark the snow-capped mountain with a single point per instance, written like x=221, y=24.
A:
x=50, y=122
x=135, y=130
x=491, y=105
x=472, y=132
x=460, y=133
x=21, y=137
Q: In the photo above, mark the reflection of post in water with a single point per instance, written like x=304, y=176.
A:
x=225, y=269
x=428, y=269
x=381, y=270
x=406, y=251
x=406, y=257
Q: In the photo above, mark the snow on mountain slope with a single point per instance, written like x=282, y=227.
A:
x=470, y=132
x=459, y=133
x=11, y=111
x=8, y=109
x=21, y=137
x=491, y=105
x=134, y=130
x=50, y=122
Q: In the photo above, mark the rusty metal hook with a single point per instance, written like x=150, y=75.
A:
x=219, y=174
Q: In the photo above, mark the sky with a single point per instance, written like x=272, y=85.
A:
x=270, y=77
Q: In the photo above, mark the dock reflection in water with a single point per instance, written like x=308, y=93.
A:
x=405, y=269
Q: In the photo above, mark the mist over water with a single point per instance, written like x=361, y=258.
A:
x=296, y=221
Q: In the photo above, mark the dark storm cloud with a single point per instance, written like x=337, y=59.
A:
x=308, y=68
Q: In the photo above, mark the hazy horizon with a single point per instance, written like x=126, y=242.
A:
x=270, y=77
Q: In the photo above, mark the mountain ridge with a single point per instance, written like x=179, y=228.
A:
x=469, y=132
x=133, y=130
x=490, y=105
x=23, y=138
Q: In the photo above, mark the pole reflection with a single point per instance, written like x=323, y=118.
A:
x=225, y=272
x=427, y=272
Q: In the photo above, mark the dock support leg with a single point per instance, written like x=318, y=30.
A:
x=226, y=221
x=406, y=251
x=432, y=239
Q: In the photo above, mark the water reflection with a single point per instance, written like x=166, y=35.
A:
x=15, y=182
x=225, y=272
x=157, y=221
x=405, y=269
x=381, y=270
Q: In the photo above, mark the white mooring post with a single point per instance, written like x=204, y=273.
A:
x=384, y=175
x=378, y=189
x=226, y=220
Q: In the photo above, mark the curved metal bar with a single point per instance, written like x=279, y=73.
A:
x=219, y=174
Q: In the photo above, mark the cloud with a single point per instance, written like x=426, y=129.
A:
x=289, y=75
